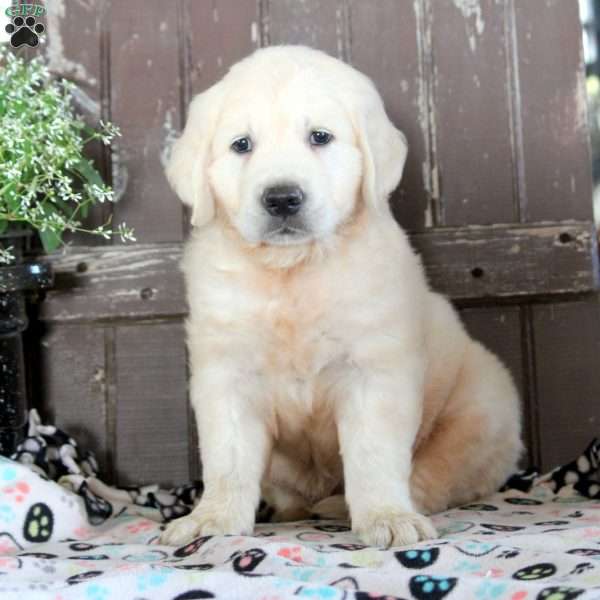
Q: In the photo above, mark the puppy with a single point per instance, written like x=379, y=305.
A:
x=321, y=362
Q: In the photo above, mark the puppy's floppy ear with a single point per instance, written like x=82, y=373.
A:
x=384, y=149
x=188, y=163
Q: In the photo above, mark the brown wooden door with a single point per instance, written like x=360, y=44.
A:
x=496, y=194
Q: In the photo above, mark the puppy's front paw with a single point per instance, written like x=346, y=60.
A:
x=206, y=520
x=393, y=528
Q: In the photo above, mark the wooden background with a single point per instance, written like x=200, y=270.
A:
x=491, y=96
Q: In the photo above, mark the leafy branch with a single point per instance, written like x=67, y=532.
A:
x=46, y=183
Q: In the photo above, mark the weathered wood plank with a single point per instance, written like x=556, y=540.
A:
x=145, y=103
x=502, y=261
x=316, y=23
x=218, y=34
x=472, y=112
x=151, y=404
x=398, y=66
x=136, y=281
x=555, y=162
x=74, y=49
x=72, y=385
x=567, y=355
x=144, y=281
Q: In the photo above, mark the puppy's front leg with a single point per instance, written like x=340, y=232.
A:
x=234, y=444
x=378, y=418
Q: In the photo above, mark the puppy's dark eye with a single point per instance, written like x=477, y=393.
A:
x=320, y=137
x=242, y=145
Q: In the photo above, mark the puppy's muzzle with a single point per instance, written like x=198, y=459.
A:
x=283, y=200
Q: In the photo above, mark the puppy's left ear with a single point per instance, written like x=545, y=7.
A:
x=384, y=149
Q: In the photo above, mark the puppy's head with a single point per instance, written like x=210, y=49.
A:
x=285, y=146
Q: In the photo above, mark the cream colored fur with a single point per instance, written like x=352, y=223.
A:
x=323, y=364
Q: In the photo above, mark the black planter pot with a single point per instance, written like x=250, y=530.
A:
x=17, y=280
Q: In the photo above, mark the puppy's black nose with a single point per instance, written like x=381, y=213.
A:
x=282, y=200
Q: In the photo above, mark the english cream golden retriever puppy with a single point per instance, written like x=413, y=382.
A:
x=321, y=362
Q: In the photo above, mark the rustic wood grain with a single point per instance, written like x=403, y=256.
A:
x=218, y=34
x=145, y=103
x=74, y=50
x=143, y=281
x=151, y=406
x=316, y=23
x=503, y=261
x=472, y=116
x=556, y=177
x=138, y=281
x=72, y=374
x=398, y=65
x=567, y=354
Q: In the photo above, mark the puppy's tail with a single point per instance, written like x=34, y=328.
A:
x=332, y=507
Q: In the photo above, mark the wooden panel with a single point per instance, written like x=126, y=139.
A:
x=151, y=405
x=472, y=116
x=73, y=385
x=499, y=329
x=316, y=23
x=144, y=281
x=145, y=98
x=219, y=33
x=397, y=65
x=74, y=50
x=555, y=154
x=567, y=360
x=140, y=281
x=502, y=261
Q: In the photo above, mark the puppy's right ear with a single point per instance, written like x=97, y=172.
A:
x=188, y=163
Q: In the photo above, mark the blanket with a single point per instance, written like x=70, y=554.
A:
x=65, y=534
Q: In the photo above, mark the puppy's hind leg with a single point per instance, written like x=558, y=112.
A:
x=287, y=504
x=475, y=445
x=332, y=507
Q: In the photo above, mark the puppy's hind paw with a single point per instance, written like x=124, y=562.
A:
x=393, y=528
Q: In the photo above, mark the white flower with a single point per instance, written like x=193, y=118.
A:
x=6, y=255
x=43, y=172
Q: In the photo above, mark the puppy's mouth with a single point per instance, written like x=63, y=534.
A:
x=286, y=234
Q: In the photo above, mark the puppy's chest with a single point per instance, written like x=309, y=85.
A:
x=299, y=337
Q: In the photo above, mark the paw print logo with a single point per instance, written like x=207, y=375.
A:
x=24, y=31
x=17, y=492
x=95, y=591
x=538, y=571
x=417, y=559
x=559, y=593
x=7, y=514
x=292, y=553
x=245, y=562
x=157, y=578
x=431, y=587
x=39, y=523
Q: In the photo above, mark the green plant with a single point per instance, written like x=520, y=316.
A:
x=46, y=183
